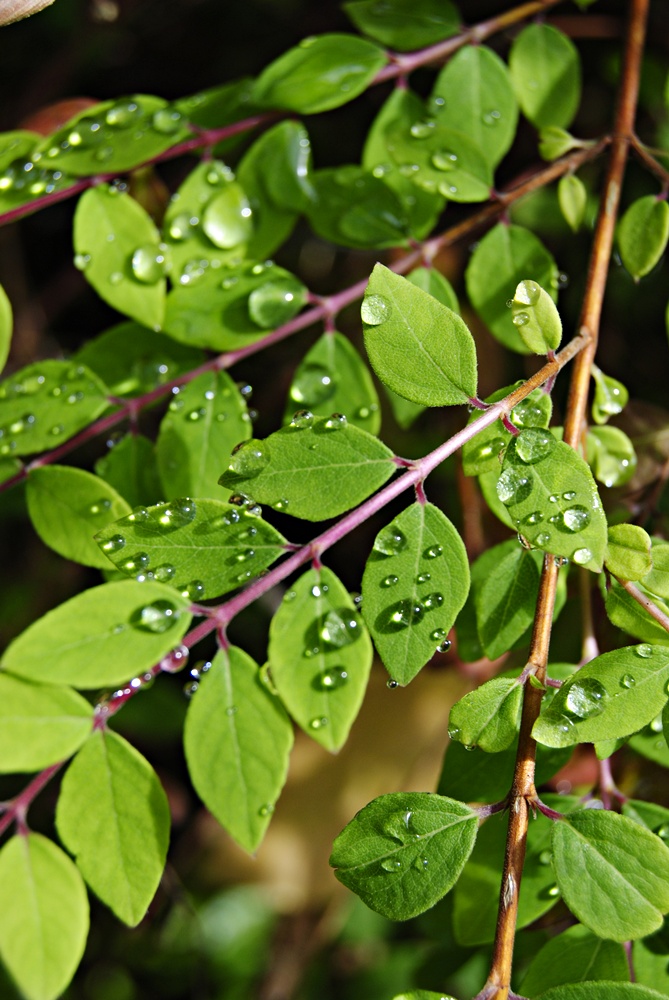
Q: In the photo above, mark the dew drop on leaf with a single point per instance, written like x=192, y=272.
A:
x=164, y=573
x=582, y=556
x=266, y=810
x=375, y=309
x=433, y=552
x=423, y=578
x=159, y=616
x=533, y=445
x=421, y=130
x=444, y=160
x=113, y=544
x=272, y=304
x=314, y=384
x=319, y=722
x=193, y=591
x=335, y=422
x=148, y=264
x=392, y=684
x=390, y=581
x=390, y=541
x=586, y=698
x=336, y=631
x=166, y=121
x=403, y=614
x=627, y=681
x=391, y=864
x=334, y=678
x=249, y=458
x=644, y=650
x=135, y=563
x=574, y=519
x=302, y=420
x=513, y=487
x=432, y=601
x=227, y=219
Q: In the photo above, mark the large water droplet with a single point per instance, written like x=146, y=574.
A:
x=513, y=486
x=422, y=130
x=227, y=219
x=586, y=698
x=582, y=556
x=193, y=591
x=113, y=544
x=375, y=310
x=432, y=601
x=444, y=160
x=164, y=573
x=181, y=226
x=123, y=114
x=533, y=445
x=403, y=614
x=337, y=631
x=391, y=865
x=644, y=650
x=167, y=121
x=159, y=616
x=334, y=678
x=627, y=681
x=302, y=420
x=314, y=384
x=148, y=264
x=273, y=303
x=249, y=458
x=390, y=541
x=573, y=520
x=135, y=563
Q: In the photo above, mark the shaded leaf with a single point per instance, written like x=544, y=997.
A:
x=573, y=956
x=642, y=234
x=40, y=724
x=573, y=200
x=404, y=25
x=546, y=75
x=628, y=554
x=130, y=468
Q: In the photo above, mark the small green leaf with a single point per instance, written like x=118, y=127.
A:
x=320, y=73
x=102, y=636
x=611, y=455
x=44, y=404
x=546, y=75
x=450, y=162
x=435, y=284
x=422, y=350
x=483, y=452
x=488, y=717
x=333, y=376
x=43, y=916
x=643, y=232
x=415, y=582
x=320, y=656
x=130, y=468
x=113, y=816
x=505, y=256
x=657, y=580
x=573, y=956
x=506, y=583
x=237, y=741
x=315, y=468
x=613, y=874
x=554, y=142
x=611, y=696
x=552, y=498
x=6, y=326
x=68, y=506
x=128, y=271
x=629, y=552
x=423, y=995
x=201, y=427
x=573, y=200
x=40, y=724
x=485, y=108
x=404, y=25
x=610, y=396
x=404, y=851
x=625, y=612
x=536, y=318
x=354, y=207
x=204, y=548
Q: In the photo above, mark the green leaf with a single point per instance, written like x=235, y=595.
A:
x=204, y=422
x=404, y=411
x=40, y=724
x=6, y=326
x=22, y=179
x=320, y=73
x=435, y=284
x=573, y=200
x=642, y=234
x=536, y=318
x=552, y=498
x=610, y=396
x=128, y=270
x=505, y=256
x=449, y=162
x=628, y=554
x=68, y=506
x=613, y=874
x=102, y=636
x=218, y=106
x=14, y=145
x=611, y=455
x=554, y=142
x=506, y=584
x=546, y=75
x=43, y=916
x=649, y=815
x=651, y=960
x=488, y=717
x=485, y=107
x=415, y=582
x=404, y=25
x=611, y=696
x=130, y=468
x=422, y=350
x=237, y=741
x=113, y=816
x=657, y=580
x=353, y=207
x=315, y=468
x=423, y=995
x=333, y=376
x=204, y=548
x=404, y=851
x=573, y=956
x=482, y=453
x=625, y=612
x=651, y=744
x=44, y=404
x=597, y=990
x=133, y=360
x=320, y=656
x=466, y=770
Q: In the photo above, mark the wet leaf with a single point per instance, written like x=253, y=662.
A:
x=489, y=717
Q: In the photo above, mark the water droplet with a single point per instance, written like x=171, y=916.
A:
x=249, y=458
x=375, y=310
x=444, y=646
x=314, y=384
x=390, y=541
x=491, y=117
x=454, y=732
x=569, y=495
x=520, y=319
x=334, y=678
x=582, y=556
x=444, y=160
x=574, y=519
x=190, y=687
x=115, y=278
x=335, y=422
x=181, y=226
x=148, y=264
x=231, y=710
x=123, y=114
x=533, y=445
x=432, y=601
x=133, y=564
x=423, y=578
x=197, y=414
x=663, y=832
x=319, y=722
x=553, y=892
x=167, y=121
x=390, y=581
x=565, y=724
x=337, y=631
x=281, y=504
x=99, y=507
x=175, y=513
x=586, y=698
x=403, y=614
x=274, y=303
x=81, y=261
x=536, y=517
x=421, y=130
x=433, y=552
x=391, y=864
x=627, y=681
x=266, y=810
x=513, y=487
x=113, y=544
x=193, y=591
x=159, y=616
x=543, y=538
x=392, y=684
x=302, y=420
x=644, y=650
x=227, y=219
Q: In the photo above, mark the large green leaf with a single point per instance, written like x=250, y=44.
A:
x=237, y=740
x=613, y=874
x=404, y=851
x=419, y=348
x=43, y=915
x=573, y=956
x=102, y=636
x=204, y=548
x=68, y=506
x=415, y=582
x=506, y=583
x=441, y=160
x=315, y=468
x=488, y=717
x=546, y=75
x=320, y=656
x=40, y=724
x=357, y=208
x=404, y=25
x=113, y=816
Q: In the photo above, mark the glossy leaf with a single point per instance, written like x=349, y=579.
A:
x=485, y=106
x=506, y=584
x=422, y=350
x=625, y=612
x=404, y=851
x=203, y=548
x=415, y=582
x=505, y=256
x=449, y=162
x=315, y=468
x=102, y=636
x=6, y=326
x=612, y=873
x=114, y=818
x=130, y=468
x=320, y=73
x=43, y=916
x=353, y=207
x=68, y=507
x=203, y=424
x=218, y=106
x=44, y=404
x=333, y=376
x=404, y=25
x=546, y=74
x=22, y=179
x=482, y=453
x=237, y=741
x=642, y=234
x=488, y=717
x=573, y=956
x=40, y=724
x=611, y=455
x=320, y=656
x=573, y=200
x=536, y=318
x=551, y=495
x=610, y=396
x=651, y=744
x=127, y=271
x=629, y=552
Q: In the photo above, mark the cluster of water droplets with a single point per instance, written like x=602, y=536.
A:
x=407, y=829
x=195, y=676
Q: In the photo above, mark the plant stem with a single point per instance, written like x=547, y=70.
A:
x=17, y=808
x=523, y=790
